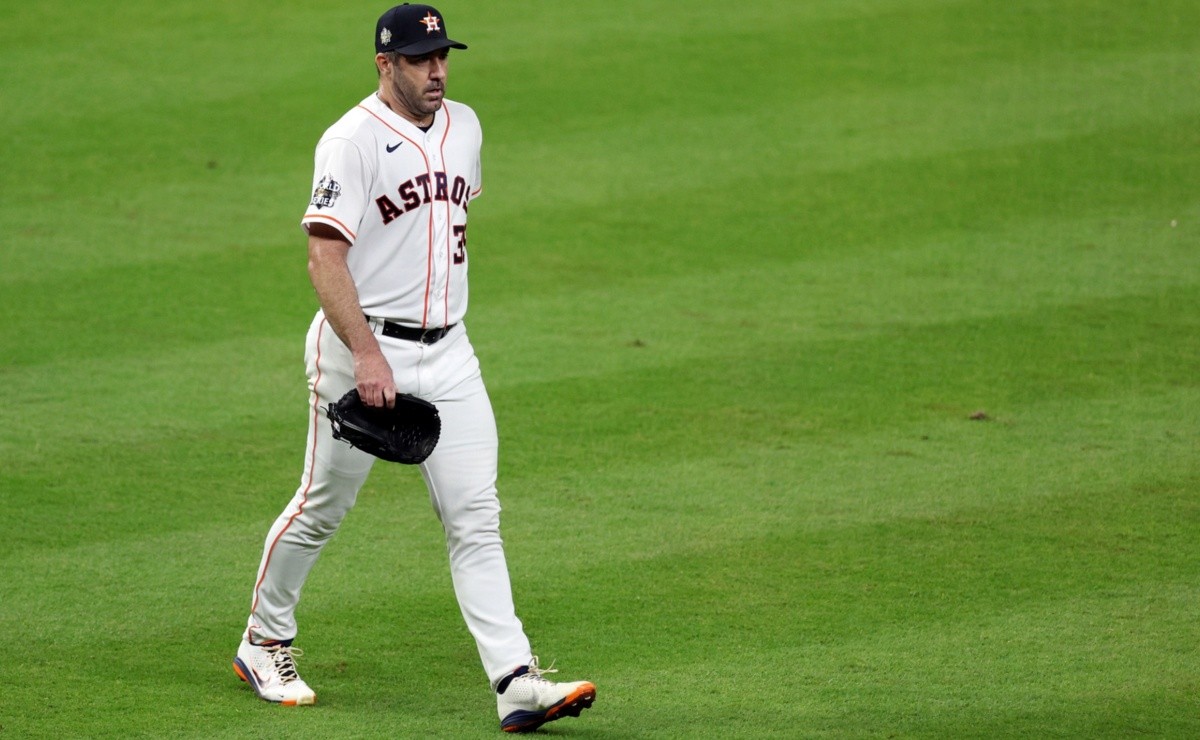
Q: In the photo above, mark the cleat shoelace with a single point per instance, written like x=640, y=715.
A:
x=536, y=673
x=285, y=664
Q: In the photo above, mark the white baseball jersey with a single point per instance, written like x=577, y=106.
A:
x=400, y=195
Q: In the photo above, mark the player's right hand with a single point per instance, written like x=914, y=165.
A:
x=374, y=380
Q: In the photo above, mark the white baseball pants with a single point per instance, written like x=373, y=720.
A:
x=460, y=476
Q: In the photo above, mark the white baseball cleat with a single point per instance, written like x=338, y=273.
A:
x=270, y=670
x=530, y=700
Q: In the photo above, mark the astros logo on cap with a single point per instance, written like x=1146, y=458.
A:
x=432, y=23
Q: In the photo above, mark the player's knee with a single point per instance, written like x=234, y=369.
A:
x=476, y=519
x=320, y=517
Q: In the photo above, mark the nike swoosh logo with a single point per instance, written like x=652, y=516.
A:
x=393, y=148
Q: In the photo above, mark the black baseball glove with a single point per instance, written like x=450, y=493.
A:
x=404, y=434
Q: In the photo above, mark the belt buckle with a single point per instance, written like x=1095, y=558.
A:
x=429, y=336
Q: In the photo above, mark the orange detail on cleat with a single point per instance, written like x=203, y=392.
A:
x=578, y=700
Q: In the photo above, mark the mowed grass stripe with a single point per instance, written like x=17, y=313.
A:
x=765, y=217
x=989, y=676
x=1010, y=105
x=208, y=302
x=920, y=470
x=792, y=392
x=1025, y=346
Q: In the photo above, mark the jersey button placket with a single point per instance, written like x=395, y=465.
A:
x=439, y=221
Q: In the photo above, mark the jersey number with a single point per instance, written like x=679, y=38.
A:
x=460, y=253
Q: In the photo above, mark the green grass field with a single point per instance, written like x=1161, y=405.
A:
x=846, y=356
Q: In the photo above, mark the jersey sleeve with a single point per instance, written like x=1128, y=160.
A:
x=341, y=185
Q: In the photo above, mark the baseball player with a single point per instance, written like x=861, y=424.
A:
x=387, y=255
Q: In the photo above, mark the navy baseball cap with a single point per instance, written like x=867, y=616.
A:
x=412, y=30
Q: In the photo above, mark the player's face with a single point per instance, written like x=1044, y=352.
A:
x=415, y=86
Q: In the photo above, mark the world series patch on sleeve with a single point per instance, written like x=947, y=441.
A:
x=404, y=434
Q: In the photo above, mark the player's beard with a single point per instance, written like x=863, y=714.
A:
x=418, y=103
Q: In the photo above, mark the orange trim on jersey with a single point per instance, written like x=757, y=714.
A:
x=446, y=133
x=428, y=262
x=311, y=469
x=341, y=226
x=393, y=129
x=449, y=226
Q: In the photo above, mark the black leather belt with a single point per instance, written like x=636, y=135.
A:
x=413, y=334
